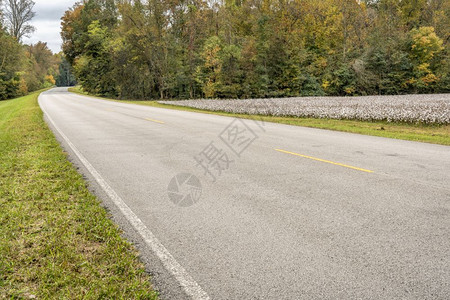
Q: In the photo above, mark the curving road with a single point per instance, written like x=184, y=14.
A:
x=264, y=211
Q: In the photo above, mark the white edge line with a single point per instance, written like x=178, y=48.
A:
x=190, y=286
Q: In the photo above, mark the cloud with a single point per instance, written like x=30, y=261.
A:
x=48, y=22
x=46, y=31
x=51, y=10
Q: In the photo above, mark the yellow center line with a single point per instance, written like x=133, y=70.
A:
x=323, y=160
x=148, y=119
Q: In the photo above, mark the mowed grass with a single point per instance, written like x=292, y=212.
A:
x=436, y=134
x=56, y=241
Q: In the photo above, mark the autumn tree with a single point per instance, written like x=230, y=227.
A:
x=11, y=64
x=42, y=66
x=17, y=15
x=149, y=49
x=424, y=46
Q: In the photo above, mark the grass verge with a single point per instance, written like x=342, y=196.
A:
x=56, y=241
x=436, y=134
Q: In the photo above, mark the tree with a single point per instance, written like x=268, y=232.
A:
x=425, y=45
x=148, y=49
x=42, y=64
x=94, y=67
x=208, y=75
x=72, y=30
x=17, y=14
x=12, y=61
x=65, y=76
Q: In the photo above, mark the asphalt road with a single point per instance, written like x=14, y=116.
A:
x=283, y=212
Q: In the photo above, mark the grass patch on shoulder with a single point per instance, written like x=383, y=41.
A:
x=56, y=241
x=436, y=134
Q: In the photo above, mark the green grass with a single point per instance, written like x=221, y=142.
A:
x=436, y=134
x=56, y=241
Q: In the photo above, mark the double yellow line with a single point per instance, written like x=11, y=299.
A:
x=324, y=160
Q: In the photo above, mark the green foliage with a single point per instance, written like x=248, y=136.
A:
x=24, y=68
x=41, y=68
x=65, y=76
x=11, y=64
x=208, y=74
x=425, y=45
x=272, y=48
x=93, y=67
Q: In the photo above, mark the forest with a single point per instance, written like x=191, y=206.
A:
x=164, y=49
x=26, y=68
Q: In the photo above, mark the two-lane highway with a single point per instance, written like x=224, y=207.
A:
x=284, y=212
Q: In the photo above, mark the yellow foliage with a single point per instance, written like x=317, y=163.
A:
x=50, y=79
x=23, y=89
x=209, y=89
x=349, y=90
x=411, y=81
x=429, y=78
x=423, y=68
x=425, y=43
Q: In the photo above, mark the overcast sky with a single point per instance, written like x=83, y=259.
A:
x=48, y=22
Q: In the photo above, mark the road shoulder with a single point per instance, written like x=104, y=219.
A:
x=58, y=241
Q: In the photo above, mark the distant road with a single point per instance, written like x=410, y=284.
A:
x=268, y=211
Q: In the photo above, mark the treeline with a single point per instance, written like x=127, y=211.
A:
x=23, y=68
x=145, y=49
x=26, y=68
